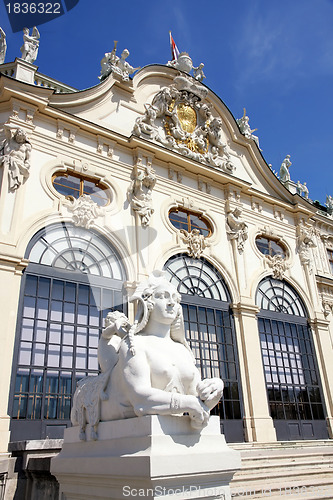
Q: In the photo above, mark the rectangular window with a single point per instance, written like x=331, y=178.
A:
x=330, y=259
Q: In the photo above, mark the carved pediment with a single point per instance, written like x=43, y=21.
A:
x=180, y=119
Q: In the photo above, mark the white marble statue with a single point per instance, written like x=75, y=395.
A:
x=284, y=169
x=147, y=368
x=302, y=189
x=329, y=204
x=3, y=46
x=245, y=128
x=198, y=72
x=111, y=63
x=15, y=152
x=30, y=45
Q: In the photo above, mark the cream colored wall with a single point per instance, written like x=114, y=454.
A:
x=180, y=182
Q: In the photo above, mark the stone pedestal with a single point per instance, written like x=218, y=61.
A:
x=146, y=457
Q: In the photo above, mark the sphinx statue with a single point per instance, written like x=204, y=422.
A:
x=147, y=368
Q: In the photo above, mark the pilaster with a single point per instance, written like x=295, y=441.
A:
x=258, y=424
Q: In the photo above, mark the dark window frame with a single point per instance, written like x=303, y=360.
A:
x=91, y=286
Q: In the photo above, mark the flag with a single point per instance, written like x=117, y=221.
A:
x=174, y=48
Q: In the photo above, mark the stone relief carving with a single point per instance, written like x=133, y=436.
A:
x=3, y=46
x=111, y=63
x=179, y=119
x=278, y=265
x=236, y=228
x=85, y=211
x=305, y=241
x=30, y=45
x=15, y=154
x=184, y=63
x=245, y=128
x=284, y=170
x=327, y=306
x=329, y=204
x=139, y=193
x=195, y=241
x=148, y=367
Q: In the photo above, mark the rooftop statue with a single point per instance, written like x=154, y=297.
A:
x=148, y=367
x=245, y=128
x=302, y=189
x=329, y=204
x=3, y=46
x=15, y=152
x=184, y=63
x=30, y=45
x=284, y=169
x=111, y=63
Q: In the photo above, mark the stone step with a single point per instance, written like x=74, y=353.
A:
x=308, y=487
x=300, y=470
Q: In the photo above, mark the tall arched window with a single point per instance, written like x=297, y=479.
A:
x=290, y=365
x=74, y=278
x=210, y=332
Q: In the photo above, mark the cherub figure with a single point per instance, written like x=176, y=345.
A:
x=15, y=153
x=30, y=45
x=198, y=72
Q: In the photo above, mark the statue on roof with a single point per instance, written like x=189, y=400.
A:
x=329, y=204
x=184, y=63
x=284, y=170
x=111, y=63
x=302, y=189
x=30, y=45
x=3, y=46
x=245, y=128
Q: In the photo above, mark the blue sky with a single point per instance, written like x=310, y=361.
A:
x=273, y=57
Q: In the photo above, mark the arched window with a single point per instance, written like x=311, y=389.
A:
x=269, y=246
x=290, y=365
x=210, y=332
x=73, y=280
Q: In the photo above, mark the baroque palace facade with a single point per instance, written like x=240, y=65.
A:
x=102, y=186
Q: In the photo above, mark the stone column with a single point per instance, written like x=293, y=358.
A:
x=10, y=278
x=258, y=424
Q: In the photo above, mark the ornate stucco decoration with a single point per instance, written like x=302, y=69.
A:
x=85, y=211
x=327, y=306
x=195, y=241
x=139, y=193
x=305, y=241
x=111, y=63
x=236, y=228
x=278, y=265
x=15, y=155
x=181, y=120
